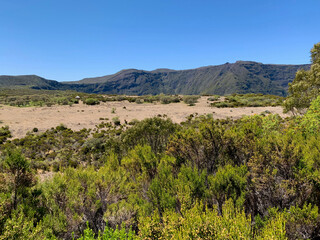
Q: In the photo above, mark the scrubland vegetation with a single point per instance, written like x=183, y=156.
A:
x=248, y=100
x=257, y=177
x=254, y=178
x=32, y=97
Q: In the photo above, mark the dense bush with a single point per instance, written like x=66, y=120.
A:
x=152, y=131
x=92, y=101
x=214, y=98
x=108, y=233
x=166, y=99
x=4, y=134
x=190, y=99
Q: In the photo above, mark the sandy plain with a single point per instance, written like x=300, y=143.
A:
x=78, y=116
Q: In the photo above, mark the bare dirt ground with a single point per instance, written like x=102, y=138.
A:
x=78, y=116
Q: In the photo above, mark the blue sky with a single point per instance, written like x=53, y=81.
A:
x=69, y=40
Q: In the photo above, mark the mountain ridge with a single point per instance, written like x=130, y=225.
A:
x=228, y=78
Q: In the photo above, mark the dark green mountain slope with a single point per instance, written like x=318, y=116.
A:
x=36, y=82
x=29, y=81
x=239, y=77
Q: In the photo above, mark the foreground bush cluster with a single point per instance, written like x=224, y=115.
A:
x=253, y=178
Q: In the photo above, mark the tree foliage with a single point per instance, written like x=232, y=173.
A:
x=306, y=85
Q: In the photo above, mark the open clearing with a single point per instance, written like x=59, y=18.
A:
x=78, y=116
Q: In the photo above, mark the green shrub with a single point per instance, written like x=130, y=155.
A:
x=152, y=131
x=166, y=99
x=229, y=182
x=116, y=121
x=108, y=233
x=214, y=98
x=190, y=99
x=139, y=101
x=92, y=101
x=196, y=223
x=311, y=120
x=4, y=134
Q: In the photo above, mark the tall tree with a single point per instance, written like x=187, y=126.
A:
x=306, y=85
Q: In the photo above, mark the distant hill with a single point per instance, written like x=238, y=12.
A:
x=30, y=81
x=36, y=82
x=239, y=77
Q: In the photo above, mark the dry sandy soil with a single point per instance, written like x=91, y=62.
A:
x=78, y=116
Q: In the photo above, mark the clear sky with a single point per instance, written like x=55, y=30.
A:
x=72, y=39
